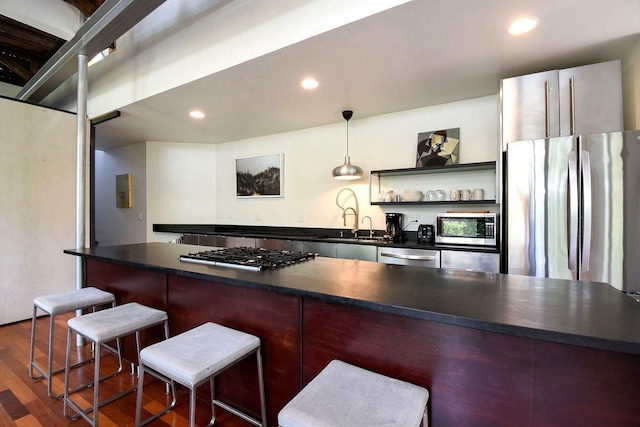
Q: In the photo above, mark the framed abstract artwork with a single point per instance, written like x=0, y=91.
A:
x=124, y=194
x=438, y=147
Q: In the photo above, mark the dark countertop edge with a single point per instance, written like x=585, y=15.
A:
x=327, y=235
x=520, y=331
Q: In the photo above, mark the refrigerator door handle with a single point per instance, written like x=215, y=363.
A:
x=573, y=213
x=572, y=106
x=585, y=167
x=547, y=117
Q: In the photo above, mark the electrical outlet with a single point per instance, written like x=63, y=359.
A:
x=414, y=218
x=300, y=218
x=259, y=218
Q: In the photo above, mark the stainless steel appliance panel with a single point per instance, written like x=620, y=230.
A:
x=237, y=242
x=530, y=107
x=610, y=247
x=471, y=261
x=190, y=239
x=267, y=243
x=580, y=100
x=417, y=257
x=631, y=195
x=578, y=221
x=590, y=99
x=221, y=241
x=207, y=240
x=321, y=248
x=538, y=220
x=291, y=245
x=360, y=252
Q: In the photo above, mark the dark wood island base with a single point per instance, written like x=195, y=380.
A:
x=479, y=368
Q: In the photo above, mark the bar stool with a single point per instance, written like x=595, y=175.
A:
x=60, y=303
x=103, y=326
x=195, y=356
x=349, y=396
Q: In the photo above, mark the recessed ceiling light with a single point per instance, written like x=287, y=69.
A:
x=309, y=83
x=197, y=114
x=523, y=25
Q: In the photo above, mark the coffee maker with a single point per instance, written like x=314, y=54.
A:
x=394, y=227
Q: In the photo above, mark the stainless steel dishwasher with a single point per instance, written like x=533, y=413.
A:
x=471, y=261
x=417, y=257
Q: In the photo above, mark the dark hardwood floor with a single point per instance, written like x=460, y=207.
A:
x=24, y=401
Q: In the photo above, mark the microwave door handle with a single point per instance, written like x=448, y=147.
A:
x=572, y=229
x=587, y=199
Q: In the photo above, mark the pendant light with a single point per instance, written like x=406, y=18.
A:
x=347, y=171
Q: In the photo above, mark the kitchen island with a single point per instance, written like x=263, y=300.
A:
x=492, y=349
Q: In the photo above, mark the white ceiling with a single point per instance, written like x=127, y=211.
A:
x=422, y=53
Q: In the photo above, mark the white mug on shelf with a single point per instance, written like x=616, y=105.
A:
x=478, y=194
x=454, y=195
x=465, y=195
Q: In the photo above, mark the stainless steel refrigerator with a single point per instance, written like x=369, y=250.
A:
x=573, y=208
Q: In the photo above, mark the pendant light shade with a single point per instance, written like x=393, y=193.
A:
x=347, y=171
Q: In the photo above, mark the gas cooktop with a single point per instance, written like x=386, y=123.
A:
x=254, y=259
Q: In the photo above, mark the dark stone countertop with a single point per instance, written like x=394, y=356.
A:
x=328, y=235
x=587, y=314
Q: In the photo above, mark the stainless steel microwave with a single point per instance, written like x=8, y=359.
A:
x=467, y=228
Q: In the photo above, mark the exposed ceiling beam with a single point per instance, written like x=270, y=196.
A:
x=110, y=21
x=86, y=7
x=16, y=68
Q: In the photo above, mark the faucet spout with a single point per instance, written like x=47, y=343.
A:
x=354, y=230
x=370, y=225
x=344, y=210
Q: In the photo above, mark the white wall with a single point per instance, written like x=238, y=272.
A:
x=9, y=90
x=181, y=185
x=37, y=221
x=631, y=85
x=195, y=183
x=120, y=225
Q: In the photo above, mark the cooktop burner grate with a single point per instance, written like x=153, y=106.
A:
x=255, y=259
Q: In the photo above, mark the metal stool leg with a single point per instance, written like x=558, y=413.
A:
x=66, y=374
x=213, y=406
x=50, y=372
x=169, y=383
x=263, y=406
x=192, y=407
x=33, y=343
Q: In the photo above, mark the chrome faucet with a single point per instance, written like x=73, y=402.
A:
x=370, y=225
x=354, y=230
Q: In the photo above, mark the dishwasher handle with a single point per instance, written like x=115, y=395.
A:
x=410, y=257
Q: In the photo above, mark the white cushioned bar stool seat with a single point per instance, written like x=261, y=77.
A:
x=60, y=303
x=343, y=395
x=197, y=356
x=104, y=326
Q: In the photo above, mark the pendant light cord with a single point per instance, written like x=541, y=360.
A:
x=347, y=138
x=347, y=114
